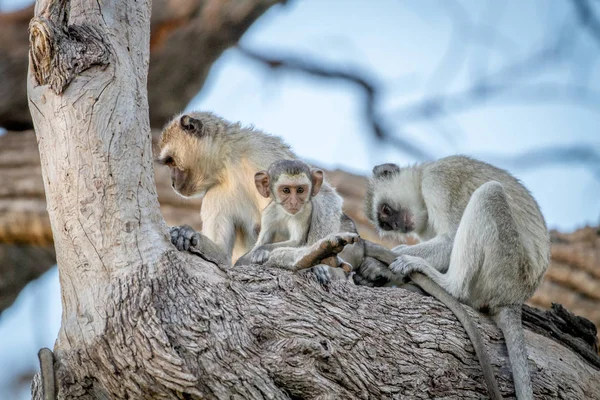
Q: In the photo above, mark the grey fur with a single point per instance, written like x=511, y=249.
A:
x=218, y=159
x=291, y=167
x=321, y=217
x=485, y=240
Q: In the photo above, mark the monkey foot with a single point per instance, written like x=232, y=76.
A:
x=328, y=247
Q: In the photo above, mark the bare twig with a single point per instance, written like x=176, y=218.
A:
x=358, y=78
x=588, y=18
x=582, y=155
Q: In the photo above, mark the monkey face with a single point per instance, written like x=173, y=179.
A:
x=291, y=183
x=390, y=219
x=183, y=180
x=189, y=146
x=292, y=194
x=393, y=202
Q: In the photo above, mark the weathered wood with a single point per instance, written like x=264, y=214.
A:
x=141, y=320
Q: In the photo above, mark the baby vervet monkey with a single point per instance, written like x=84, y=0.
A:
x=303, y=210
x=216, y=160
x=484, y=239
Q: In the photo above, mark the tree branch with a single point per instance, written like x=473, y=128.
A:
x=588, y=18
x=208, y=27
x=370, y=91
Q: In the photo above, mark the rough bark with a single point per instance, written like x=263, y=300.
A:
x=202, y=28
x=141, y=320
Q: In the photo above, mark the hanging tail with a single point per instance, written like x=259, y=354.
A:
x=508, y=320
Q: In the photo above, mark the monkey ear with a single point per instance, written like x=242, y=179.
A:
x=317, y=180
x=385, y=170
x=190, y=124
x=261, y=180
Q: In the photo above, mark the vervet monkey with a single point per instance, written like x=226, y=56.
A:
x=303, y=210
x=216, y=160
x=484, y=239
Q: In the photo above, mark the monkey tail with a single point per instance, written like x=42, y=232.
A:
x=508, y=320
x=387, y=256
x=465, y=319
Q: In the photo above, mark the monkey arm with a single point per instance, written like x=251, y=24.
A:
x=436, y=251
x=185, y=238
x=287, y=243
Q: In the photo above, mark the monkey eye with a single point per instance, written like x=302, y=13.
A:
x=300, y=190
x=286, y=190
x=386, y=210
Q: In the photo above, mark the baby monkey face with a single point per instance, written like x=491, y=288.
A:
x=293, y=192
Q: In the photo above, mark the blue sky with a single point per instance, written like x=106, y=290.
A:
x=402, y=44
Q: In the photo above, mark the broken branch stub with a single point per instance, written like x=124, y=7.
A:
x=59, y=52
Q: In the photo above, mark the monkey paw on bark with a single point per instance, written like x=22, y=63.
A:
x=373, y=273
x=322, y=274
x=185, y=238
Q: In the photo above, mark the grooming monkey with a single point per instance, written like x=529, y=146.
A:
x=215, y=159
x=303, y=211
x=212, y=158
x=484, y=239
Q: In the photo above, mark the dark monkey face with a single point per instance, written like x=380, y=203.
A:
x=389, y=204
x=394, y=219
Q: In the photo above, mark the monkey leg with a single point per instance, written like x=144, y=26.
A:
x=325, y=249
x=299, y=258
x=484, y=256
x=488, y=268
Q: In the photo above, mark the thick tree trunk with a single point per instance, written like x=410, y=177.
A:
x=142, y=320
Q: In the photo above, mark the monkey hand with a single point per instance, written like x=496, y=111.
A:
x=405, y=264
x=322, y=274
x=183, y=237
x=260, y=255
x=324, y=248
x=372, y=272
